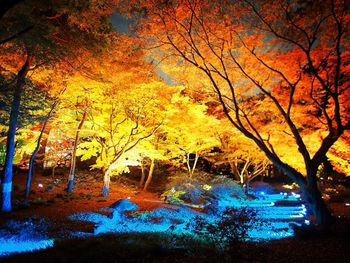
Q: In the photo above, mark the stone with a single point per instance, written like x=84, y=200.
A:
x=123, y=205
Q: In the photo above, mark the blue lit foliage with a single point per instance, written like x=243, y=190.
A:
x=270, y=215
x=275, y=210
x=29, y=235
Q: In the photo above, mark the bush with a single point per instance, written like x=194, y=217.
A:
x=226, y=234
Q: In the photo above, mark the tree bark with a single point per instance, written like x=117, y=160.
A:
x=189, y=168
x=106, y=181
x=32, y=158
x=142, y=180
x=40, y=157
x=74, y=155
x=313, y=196
x=6, y=180
x=194, y=164
x=38, y=145
x=150, y=175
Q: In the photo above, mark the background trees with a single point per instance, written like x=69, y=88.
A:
x=281, y=78
x=49, y=32
x=281, y=60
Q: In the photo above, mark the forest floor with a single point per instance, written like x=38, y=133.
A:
x=50, y=201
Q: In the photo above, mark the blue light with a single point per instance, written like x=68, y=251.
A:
x=177, y=218
x=8, y=247
x=24, y=236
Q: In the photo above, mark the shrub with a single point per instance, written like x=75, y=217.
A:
x=227, y=232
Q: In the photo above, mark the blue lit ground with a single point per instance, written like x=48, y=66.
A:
x=277, y=209
x=24, y=236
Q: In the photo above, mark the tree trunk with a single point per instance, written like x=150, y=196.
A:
x=189, y=168
x=142, y=180
x=74, y=155
x=313, y=196
x=188, y=164
x=53, y=170
x=234, y=170
x=150, y=174
x=32, y=158
x=6, y=180
x=246, y=182
x=194, y=164
x=106, y=181
x=40, y=157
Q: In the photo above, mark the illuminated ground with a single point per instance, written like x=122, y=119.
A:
x=150, y=215
x=125, y=217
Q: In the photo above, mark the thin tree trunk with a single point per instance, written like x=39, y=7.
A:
x=188, y=164
x=6, y=179
x=53, y=170
x=243, y=172
x=234, y=169
x=32, y=158
x=74, y=155
x=189, y=168
x=150, y=175
x=106, y=181
x=194, y=164
x=142, y=180
x=40, y=157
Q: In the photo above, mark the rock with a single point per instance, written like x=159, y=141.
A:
x=123, y=205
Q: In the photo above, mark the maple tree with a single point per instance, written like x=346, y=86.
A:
x=190, y=132
x=116, y=130
x=245, y=159
x=267, y=58
x=186, y=134
x=56, y=30
x=125, y=113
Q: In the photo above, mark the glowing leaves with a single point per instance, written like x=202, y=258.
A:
x=88, y=149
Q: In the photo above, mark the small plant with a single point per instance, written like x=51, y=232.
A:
x=172, y=196
x=226, y=233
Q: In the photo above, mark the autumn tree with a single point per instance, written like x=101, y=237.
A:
x=116, y=130
x=190, y=132
x=267, y=57
x=245, y=159
x=57, y=31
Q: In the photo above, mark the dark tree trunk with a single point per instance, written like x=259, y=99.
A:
x=142, y=180
x=234, y=170
x=38, y=145
x=74, y=155
x=313, y=196
x=6, y=179
x=32, y=158
x=40, y=157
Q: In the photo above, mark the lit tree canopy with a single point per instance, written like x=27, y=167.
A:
x=287, y=61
